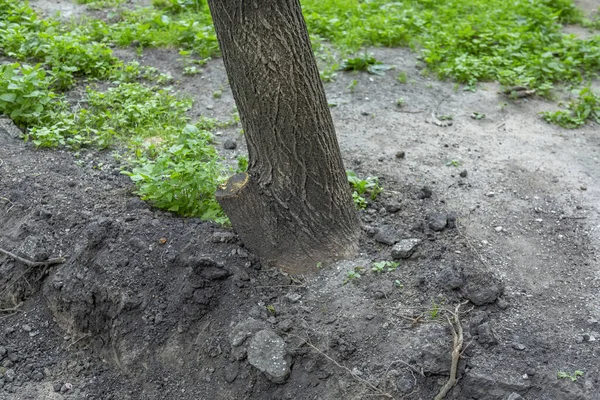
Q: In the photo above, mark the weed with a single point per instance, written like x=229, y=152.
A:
x=354, y=275
x=573, y=377
x=242, y=164
x=352, y=85
x=369, y=186
x=402, y=77
x=400, y=102
x=217, y=94
x=585, y=106
x=477, y=115
x=384, y=266
x=366, y=63
x=271, y=309
x=398, y=284
x=25, y=94
x=453, y=163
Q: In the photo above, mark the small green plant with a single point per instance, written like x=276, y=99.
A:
x=319, y=265
x=402, y=77
x=400, y=102
x=573, y=377
x=585, y=107
x=352, y=85
x=434, y=311
x=25, y=94
x=477, y=115
x=354, y=275
x=370, y=185
x=453, y=163
x=217, y=94
x=271, y=309
x=398, y=284
x=328, y=74
x=366, y=63
x=384, y=266
x=242, y=163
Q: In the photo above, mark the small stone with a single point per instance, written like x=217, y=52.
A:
x=450, y=278
x=285, y=325
x=518, y=346
x=400, y=154
x=10, y=375
x=405, y=248
x=26, y=327
x=3, y=352
x=230, y=144
x=585, y=337
x=392, y=207
x=438, y=221
x=583, y=187
x=498, y=229
x=425, y=193
x=490, y=194
x=239, y=339
x=486, y=334
x=387, y=235
x=515, y=395
x=451, y=218
x=56, y=387
x=8, y=363
x=501, y=303
x=267, y=353
x=223, y=237
x=37, y=376
x=231, y=372
x=463, y=173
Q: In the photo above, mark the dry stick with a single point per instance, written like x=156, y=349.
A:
x=337, y=364
x=12, y=309
x=457, y=339
x=51, y=261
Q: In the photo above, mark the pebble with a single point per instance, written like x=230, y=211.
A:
x=502, y=304
x=392, y=207
x=230, y=144
x=400, y=154
x=405, y=248
x=438, y=221
x=583, y=187
x=57, y=387
x=518, y=346
x=426, y=192
x=387, y=235
x=498, y=229
x=463, y=173
x=490, y=194
x=10, y=375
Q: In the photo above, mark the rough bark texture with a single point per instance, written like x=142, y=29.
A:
x=295, y=209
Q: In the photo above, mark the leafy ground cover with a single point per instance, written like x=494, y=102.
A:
x=517, y=44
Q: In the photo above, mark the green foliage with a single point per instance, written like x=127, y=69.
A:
x=366, y=63
x=354, y=275
x=384, y=266
x=25, y=94
x=573, y=377
x=242, y=164
x=363, y=187
x=183, y=178
x=100, y=4
x=585, y=106
x=515, y=43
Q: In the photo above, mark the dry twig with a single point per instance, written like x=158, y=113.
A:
x=51, y=261
x=457, y=340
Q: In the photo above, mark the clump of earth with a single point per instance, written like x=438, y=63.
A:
x=494, y=221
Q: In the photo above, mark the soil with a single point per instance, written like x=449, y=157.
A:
x=505, y=210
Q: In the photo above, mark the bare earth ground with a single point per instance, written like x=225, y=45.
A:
x=130, y=317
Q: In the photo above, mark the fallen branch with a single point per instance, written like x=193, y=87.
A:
x=457, y=340
x=51, y=261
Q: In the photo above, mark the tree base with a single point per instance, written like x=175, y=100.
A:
x=263, y=224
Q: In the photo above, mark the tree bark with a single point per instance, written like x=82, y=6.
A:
x=293, y=208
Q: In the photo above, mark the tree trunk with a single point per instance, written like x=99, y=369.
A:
x=293, y=208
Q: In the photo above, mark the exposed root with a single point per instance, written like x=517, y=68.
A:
x=11, y=309
x=51, y=261
x=457, y=339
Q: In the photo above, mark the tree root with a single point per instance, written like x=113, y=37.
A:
x=457, y=339
x=51, y=261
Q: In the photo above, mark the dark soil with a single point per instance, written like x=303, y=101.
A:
x=152, y=306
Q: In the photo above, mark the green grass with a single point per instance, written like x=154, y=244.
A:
x=171, y=158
